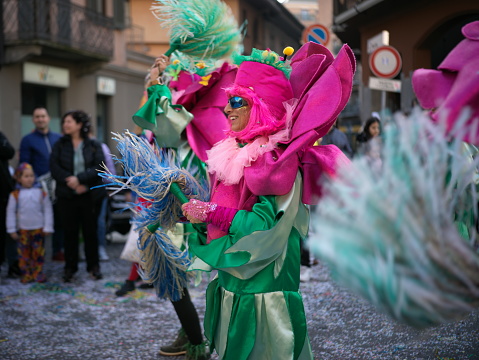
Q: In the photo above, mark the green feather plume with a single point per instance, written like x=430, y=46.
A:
x=201, y=29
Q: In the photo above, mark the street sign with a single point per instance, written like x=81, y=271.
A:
x=316, y=33
x=385, y=62
x=385, y=84
x=380, y=39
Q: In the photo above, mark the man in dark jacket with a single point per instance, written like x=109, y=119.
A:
x=7, y=245
x=338, y=138
x=35, y=149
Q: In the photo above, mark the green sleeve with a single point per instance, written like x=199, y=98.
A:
x=263, y=217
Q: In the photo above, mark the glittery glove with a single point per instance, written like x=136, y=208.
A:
x=197, y=211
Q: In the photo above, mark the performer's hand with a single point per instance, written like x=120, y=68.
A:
x=197, y=211
x=14, y=236
x=159, y=66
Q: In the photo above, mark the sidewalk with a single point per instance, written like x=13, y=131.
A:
x=85, y=320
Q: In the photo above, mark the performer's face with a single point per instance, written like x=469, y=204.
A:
x=237, y=110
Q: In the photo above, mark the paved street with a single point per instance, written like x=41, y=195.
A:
x=85, y=320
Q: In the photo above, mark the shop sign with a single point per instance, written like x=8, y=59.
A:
x=105, y=85
x=385, y=84
x=46, y=75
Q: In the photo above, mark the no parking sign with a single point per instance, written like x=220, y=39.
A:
x=316, y=33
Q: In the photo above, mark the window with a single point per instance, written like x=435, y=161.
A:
x=306, y=15
x=102, y=103
x=97, y=6
x=37, y=95
x=121, y=14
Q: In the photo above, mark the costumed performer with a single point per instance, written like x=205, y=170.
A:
x=168, y=121
x=264, y=173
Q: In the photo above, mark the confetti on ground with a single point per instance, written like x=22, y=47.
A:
x=85, y=320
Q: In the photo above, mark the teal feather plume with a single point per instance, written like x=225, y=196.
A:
x=200, y=29
x=404, y=237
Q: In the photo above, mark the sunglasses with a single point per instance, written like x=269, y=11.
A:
x=237, y=102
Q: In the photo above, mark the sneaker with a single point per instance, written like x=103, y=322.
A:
x=27, y=279
x=178, y=347
x=58, y=256
x=197, y=352
x=127, y=287
x=305, y=274
x=102, y=255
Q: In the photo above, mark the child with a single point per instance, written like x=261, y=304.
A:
x=29, y=220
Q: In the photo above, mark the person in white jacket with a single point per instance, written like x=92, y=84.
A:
x=29, y=220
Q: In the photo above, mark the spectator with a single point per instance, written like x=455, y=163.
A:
x=7, y=248
x=371, y=129
x=74, y=163
x=35, y=149
x=370, y=144
x=338, y=138
x=29, y=219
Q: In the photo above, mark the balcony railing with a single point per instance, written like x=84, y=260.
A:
x=57, y=23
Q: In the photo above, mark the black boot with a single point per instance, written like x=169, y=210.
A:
x=67, y=276
x=96, y=274
x=14, y=271
x=127, y=287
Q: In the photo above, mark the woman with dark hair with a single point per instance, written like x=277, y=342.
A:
x=74, y=163
x=372, y=129
x=369, y=142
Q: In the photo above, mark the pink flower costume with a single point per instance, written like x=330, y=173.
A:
x=256, y=217
x=454, y=86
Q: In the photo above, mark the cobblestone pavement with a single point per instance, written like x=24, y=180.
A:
x=85, y=320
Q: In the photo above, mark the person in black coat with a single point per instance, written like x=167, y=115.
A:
x=7, y=246
x=74, y=164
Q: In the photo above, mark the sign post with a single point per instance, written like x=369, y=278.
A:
x=316, y=33
x=385, y=62
x=379, y=40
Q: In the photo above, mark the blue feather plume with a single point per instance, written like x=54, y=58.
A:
x=149, y=172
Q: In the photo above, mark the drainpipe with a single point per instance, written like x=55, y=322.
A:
x=355, y=10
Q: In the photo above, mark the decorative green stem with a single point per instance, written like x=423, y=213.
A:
x=173, y=47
